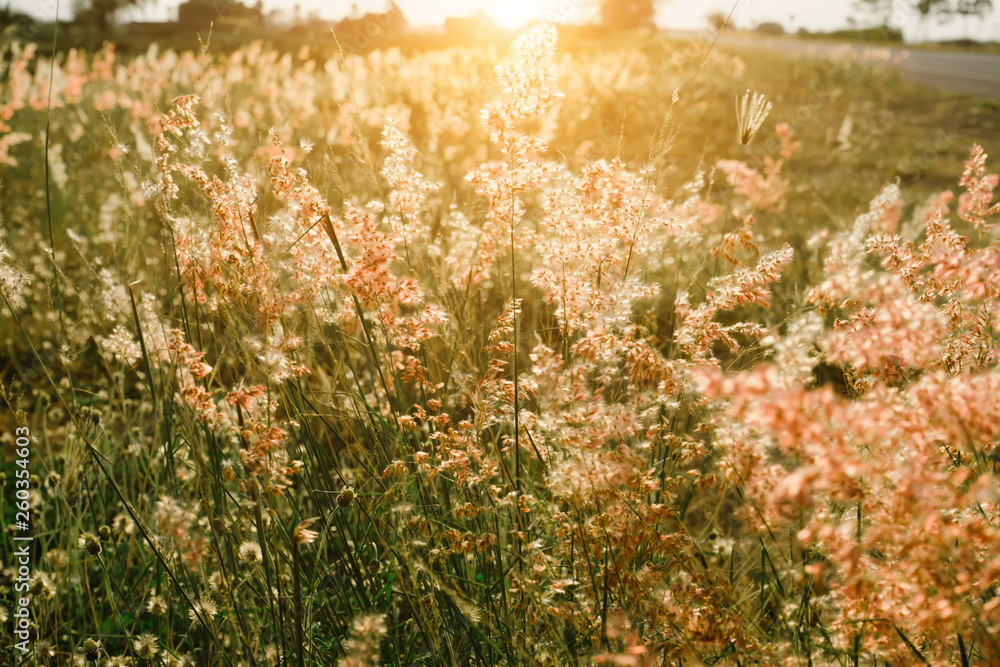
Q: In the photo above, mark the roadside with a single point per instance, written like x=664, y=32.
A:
x=969, y=73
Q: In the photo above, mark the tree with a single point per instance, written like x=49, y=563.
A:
x=928, y=8
x=14, y=23
x=628, y=14
x=895, y=14
x=101, y=13
x=200, y=14
x=770, y=28
x=967, y=8
x=373, y=27
x=717, y=21
x=885, y=12
x=973, y=7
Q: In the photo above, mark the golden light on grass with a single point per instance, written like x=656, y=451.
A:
x=562, y=384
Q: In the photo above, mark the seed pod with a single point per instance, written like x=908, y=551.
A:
x=91, y=650
x=91, y=544
x=346, y=497
x=219, y=526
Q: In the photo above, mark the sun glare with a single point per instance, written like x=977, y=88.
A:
x=513, y=13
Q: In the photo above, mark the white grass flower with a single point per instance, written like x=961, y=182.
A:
x=750, y=114
x=844, y=135
x=204, y=609
x=12, y=281
x=250, y=553
x=156, y=605
x=41, y=586
x=146, y=646
x=122, y=344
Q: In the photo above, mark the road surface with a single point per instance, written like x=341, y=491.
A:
x=971, y=73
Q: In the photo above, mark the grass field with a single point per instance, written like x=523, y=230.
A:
x=315, y=358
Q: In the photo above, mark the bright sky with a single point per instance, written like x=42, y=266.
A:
x=678, y=14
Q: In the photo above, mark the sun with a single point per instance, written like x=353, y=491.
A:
x=513, y=13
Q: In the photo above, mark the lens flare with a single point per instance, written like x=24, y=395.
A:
x=513, y=14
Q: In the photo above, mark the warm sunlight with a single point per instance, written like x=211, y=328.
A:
x=513, y=13
x=499, y=332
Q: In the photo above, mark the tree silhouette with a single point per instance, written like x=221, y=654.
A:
x=717, y=20
x=973, y=7
x=100, y=13
x=194, y=14
x=628, y=14
x=889, y=12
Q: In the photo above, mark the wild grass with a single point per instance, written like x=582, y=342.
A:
x=402, y=360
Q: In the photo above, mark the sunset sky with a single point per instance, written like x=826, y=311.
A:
x=678, y=14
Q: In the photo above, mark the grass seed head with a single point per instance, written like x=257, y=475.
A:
x=751, y=111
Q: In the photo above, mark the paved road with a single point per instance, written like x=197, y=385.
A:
x=971, y=73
